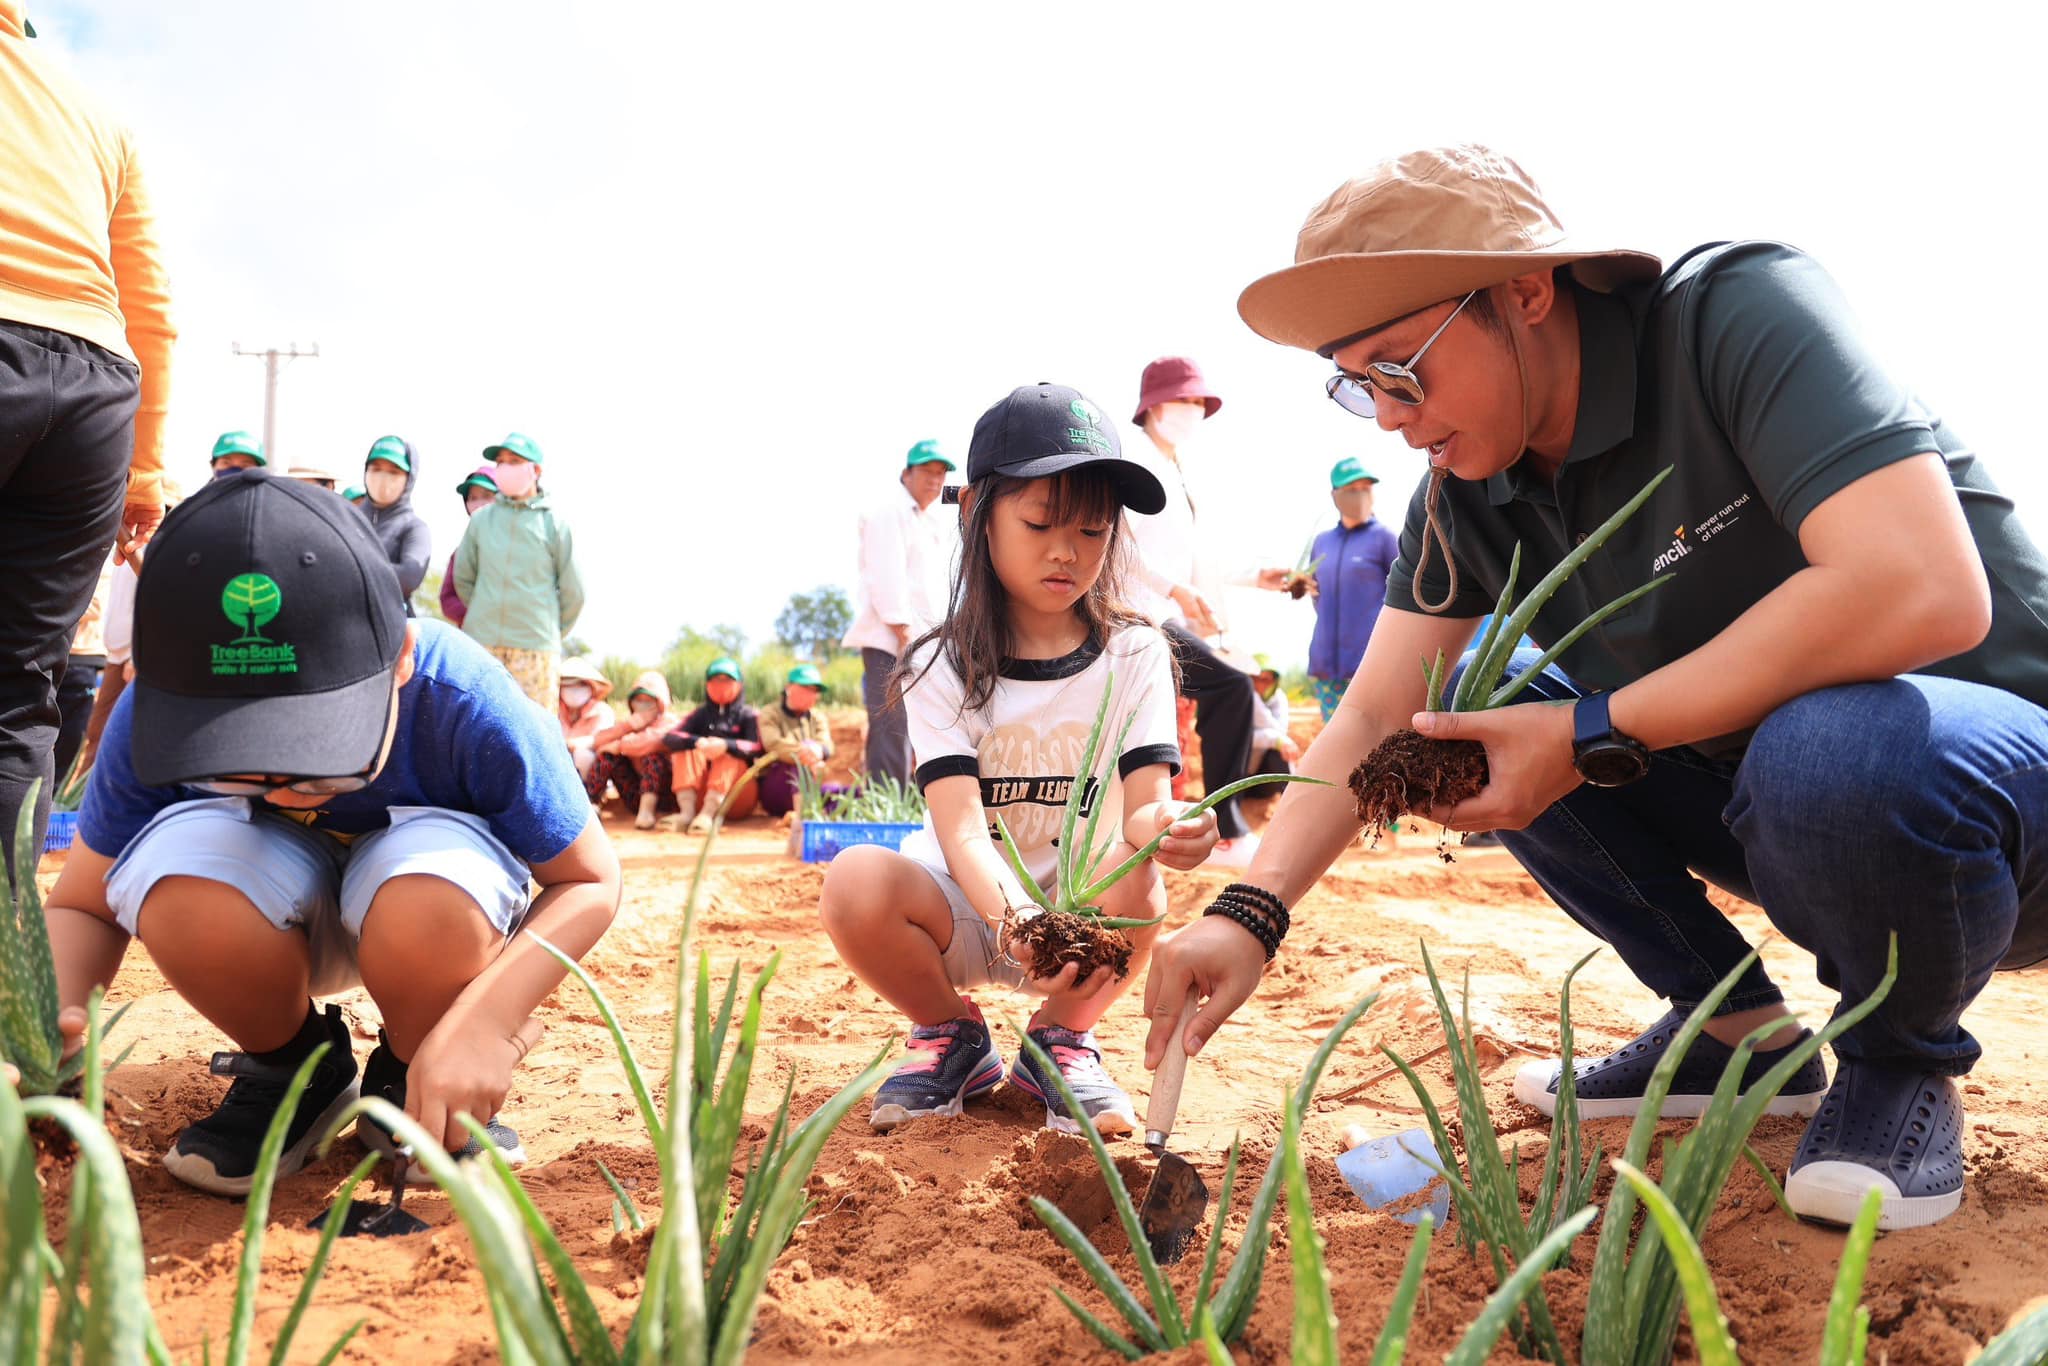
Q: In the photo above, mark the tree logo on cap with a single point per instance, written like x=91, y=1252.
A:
x=1086, y=411
x=251, y=601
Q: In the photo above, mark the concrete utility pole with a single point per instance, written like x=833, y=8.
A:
x=271, y=357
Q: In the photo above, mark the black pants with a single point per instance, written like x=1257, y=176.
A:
x=67, y=433
x=1223, y=719
x=888, y=742
x=75, y=689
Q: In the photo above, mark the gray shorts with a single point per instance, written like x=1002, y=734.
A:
x=972, y=957
x=300, y=879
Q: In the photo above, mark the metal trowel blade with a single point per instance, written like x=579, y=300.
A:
x=1174, y=1207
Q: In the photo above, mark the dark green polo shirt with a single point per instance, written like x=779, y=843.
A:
x=1741, y=368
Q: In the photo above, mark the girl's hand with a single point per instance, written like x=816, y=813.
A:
x=1188, y=842
x=711, y=747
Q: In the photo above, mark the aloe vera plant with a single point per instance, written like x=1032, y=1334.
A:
x=28, y=977
x=1295, y=582
x=710, y=1255
x=98, y=1311
x=1406, y=772
x=1079, y=881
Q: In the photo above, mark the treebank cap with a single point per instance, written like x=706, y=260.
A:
x=238, y=443
x=1416, y=230
x=267, y=622
x=392, y=448
x=807, y=676
x=725, y=666
x=1047, y=429
x=1350, y=470
x=927, y=453
x=525, y=447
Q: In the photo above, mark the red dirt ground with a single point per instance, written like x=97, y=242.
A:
x=922, y=1246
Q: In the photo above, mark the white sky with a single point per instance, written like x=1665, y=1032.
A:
x=728, y=262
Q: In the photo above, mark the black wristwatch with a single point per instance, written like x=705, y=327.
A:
x=1604, y=756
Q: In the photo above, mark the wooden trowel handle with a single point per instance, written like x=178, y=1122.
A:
x=1173, y=1070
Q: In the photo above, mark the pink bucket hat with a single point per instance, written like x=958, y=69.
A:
x=1172, y=377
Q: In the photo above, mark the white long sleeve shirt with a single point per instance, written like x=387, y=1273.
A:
x=906, y=571
x=1167, y=550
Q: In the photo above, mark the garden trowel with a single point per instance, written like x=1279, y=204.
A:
x=379, y=1221
x=1177, y=1200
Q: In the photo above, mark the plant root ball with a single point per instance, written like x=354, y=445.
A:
x=1409, y=772
x=1054, y=939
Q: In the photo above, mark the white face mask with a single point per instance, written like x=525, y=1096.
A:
x=1177, y=423
x=577, y=695
x=384, y=486
x=517, y=478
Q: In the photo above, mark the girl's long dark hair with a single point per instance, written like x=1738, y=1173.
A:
x=975, y=636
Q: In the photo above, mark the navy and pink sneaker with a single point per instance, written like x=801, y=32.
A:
x=1079, y=1059
x=948, y=1063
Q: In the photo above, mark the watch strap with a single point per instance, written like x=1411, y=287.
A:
x=1589, y=720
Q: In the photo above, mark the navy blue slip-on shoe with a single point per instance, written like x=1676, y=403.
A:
x=1612, y=1086
x=1901, y=1132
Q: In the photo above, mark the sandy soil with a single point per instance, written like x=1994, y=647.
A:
x=922, y=1246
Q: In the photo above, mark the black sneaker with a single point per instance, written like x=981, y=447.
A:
x=1613, y=1086
x=219, y=1153
x=384, y=1076
x=1901, y=1132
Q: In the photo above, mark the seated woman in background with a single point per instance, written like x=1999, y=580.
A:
x=793, y=734
x=584, y=712
x=1273, y=750
x=630, y=755
x=713, y=749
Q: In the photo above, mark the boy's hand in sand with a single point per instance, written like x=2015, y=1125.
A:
x=463, y=1071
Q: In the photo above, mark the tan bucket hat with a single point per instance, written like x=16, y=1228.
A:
x=1414, y=231
x=583, y=671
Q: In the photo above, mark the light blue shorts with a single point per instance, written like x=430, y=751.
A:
x=300, y=879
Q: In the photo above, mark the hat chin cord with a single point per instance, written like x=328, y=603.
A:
x=1433, y=528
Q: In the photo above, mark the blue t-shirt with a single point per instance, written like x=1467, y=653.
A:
x=467, y=740
x=1352, y=577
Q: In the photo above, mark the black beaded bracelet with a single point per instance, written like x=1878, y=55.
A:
x=1278, y=925
x=1260, y=899
x=1252, y=924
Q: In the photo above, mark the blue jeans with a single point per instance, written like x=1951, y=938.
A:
x=1917, y=805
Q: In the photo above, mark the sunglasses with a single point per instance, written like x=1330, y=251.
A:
x=1354, y=392
x=305, y=787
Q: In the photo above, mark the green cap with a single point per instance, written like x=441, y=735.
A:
x=238, y=443
x=808, y=676
x=724, y=664
x=1265, y=663
x=390, y=448
x=515, y=444
x=353, y=492
x=478, y=480
x=1349, y=471
x=927, y=453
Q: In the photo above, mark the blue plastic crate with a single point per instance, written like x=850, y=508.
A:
x=63, y=829
x=824, y=839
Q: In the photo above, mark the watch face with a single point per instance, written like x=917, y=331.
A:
x=1611, y=765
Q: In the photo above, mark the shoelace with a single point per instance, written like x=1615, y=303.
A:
x=933, y=1043
x=1076, y=1060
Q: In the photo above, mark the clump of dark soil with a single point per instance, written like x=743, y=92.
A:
x=1410, y=772
x=1297, y=586
x=1057, y=938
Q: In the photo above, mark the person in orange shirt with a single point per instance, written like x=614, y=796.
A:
x=85, y=347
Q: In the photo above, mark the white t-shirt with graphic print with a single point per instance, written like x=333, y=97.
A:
x=1026, y=744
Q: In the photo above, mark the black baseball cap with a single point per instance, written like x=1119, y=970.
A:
x=267, y=622
x=1046, y=429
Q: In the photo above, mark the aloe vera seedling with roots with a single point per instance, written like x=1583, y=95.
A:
x=1408, y=772
x=1066, y=923
x=1305, y=566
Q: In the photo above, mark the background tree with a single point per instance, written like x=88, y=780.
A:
x=815, y=621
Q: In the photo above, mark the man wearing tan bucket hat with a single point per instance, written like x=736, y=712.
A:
x=1834, y=707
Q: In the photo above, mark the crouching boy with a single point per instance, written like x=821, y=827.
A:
x=304, y=790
